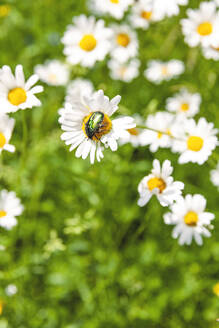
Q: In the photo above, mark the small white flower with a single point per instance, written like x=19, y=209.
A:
x=159, y=71
x=163, y=123
x=167, y=8
x=11, y=290
x=87, y=41
x=78, y=88
x=124, y=71
x=202, y=25
x=184, y=103
x=161, y=184
x=15, y=93
x=124, y=43
x=211, y=52
x=87, y=125
x=2, y=248
x=195, y=141
x=6, y=129
x=10, y=207
x=115, y=8
x=134, y=134
x=142, y=14
x=214, y=174
x=53, y=72
x=190, y=219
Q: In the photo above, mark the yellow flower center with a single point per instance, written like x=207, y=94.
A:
x=17, y=96
x=156, y=183
x=195, y=143
x=216, y=289
x=184, y=107
x=52, y=77
x=4, y=10
x=114, y=1
x=2, y=213
x=2, y=140
x=1, y=307
x=133, y=132
x=88, y=42
x=164, y=70
x=123, y=39
x=159, y=135
x=191, y=219
x=205, y=28
x=96, y=125
x=146, y=14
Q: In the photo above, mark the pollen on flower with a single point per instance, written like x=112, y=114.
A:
x=17, y=96
x=184, y=107
x=2, y=213
x=216, y=289
x=123, y=39
x=88, y=42
x=195, y=143
x=133, y=132
x=205, y=28
x=96, y=125
x=156, y=183
x=114, y=1
x=2, y=140
x=146, y=14
x=191, y=219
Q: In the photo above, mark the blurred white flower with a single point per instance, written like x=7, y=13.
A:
x=125, y=72
x=10, y=207
x=15, y=93
x=161, y=184
x=87, y=125
x=211, y=52
x=2, y=248
x=162, y=123
x=195, y=141
x=11, y=290
x=78, y=88
x=159, y=71
x=124, y=44
x=53, y=72
x=87, y=41
x=162, y=8
x=142, y=14
x=134, y=134
x=115, y=8
x=184, y=103
x=6, y=129
x=190, y=219
x=202, y=25
x=214, y=175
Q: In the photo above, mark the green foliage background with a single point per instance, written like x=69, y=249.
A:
x=84, y=255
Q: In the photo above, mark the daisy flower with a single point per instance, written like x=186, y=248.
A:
x=6, y=129
x=87, y=41
x=202, y=25
x=11, y=290
x=159, y=71
x=78, y=88
x=15, y=93
x=124, y=43
x=184, y=103
x=161, y=184
x=211, y=52
x=142, y=14
x=196, y=141
x=115, y=8
x=134, y=134
x=125, y=72
x=214, y=175
x=190, y=219
x=87, y=125
x=53, y=72
x=167, y=8
x=10, y=207
x=162, y=123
